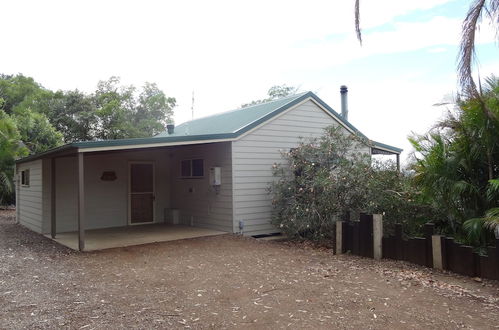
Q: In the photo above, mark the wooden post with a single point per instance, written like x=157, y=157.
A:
x=429, y=229
x=398, y=163
x=81, y=202
x=339, y=237
x=377, y=236
x=399, y=243
x=53, y=228
x=436, y=242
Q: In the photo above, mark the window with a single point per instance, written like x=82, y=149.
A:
x=25, y=178
x=192, y=168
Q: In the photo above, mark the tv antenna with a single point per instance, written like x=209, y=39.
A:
x=192, y=105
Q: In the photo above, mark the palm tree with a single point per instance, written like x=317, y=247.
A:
x=457, y=165
x=478, y=9
x=10, y=149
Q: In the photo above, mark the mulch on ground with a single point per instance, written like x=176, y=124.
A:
x=227, y=282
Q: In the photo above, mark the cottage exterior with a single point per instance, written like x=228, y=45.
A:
x=211, y=172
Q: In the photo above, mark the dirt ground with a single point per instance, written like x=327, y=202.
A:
x=226, y=282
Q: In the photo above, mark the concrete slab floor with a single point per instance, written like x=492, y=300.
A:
x=107, y=238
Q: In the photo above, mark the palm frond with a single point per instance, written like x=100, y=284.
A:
x=357, y=21
x=474, y=229
x=467, y=48
x=491, y=219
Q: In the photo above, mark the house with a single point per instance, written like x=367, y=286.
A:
x=210, y=173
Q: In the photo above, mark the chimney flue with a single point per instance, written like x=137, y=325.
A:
x=170, y=128
x=344, y=101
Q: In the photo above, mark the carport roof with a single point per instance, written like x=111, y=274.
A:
x=224, y=126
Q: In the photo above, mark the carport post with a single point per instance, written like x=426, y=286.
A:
x=81, y=203
x=53, y=229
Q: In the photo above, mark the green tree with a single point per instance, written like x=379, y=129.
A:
x=35, y=130
x=274, y=92
x=154, y=111
x=121, y=114
x=10, y=150
x=15, y=89
x=72, y=113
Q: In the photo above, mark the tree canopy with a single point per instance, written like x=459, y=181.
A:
x=274, y=92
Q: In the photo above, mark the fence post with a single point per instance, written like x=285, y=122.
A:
x=436, y=241
x=377, y=236
x=428, y=233
x=399, y=253
x=339, y=237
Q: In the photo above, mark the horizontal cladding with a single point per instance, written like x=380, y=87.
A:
x=255, y=154
x=31, y=226
x=30, y=202
x=247, y=209
x=196, y=198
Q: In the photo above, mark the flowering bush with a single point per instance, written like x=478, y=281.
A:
x=326, y=178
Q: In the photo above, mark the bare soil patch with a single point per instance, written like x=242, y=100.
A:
x=226, y=282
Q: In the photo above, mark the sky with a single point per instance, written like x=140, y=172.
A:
x=231, y=52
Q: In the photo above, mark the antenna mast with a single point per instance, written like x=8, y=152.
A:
x=192, y=104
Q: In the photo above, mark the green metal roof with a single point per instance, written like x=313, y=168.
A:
x=233, y=121
x=223, y=126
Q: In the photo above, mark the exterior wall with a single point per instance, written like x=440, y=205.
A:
x=106, y=202
x=254, y=154
x=29, y=199
x=195, y=199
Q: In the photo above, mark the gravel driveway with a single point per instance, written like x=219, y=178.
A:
x=226, y=282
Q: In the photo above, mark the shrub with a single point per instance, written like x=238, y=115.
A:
x=326, y=178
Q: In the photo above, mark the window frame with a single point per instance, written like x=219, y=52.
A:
x=191, y=168
x=25, y=178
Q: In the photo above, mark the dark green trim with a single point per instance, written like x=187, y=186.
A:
x=386, y=146
x=46, y=153
x=153, y=140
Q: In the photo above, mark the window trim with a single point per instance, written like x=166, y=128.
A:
x=191, y=161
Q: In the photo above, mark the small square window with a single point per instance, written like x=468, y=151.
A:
x=25, y=178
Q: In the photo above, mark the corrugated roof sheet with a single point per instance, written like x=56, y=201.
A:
x=230, y=121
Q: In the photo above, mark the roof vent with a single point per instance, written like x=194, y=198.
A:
x=170, y=128
x=344, y=101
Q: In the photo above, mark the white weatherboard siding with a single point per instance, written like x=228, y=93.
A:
x=254, y=154
x=195, y=199
x=29, y=201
